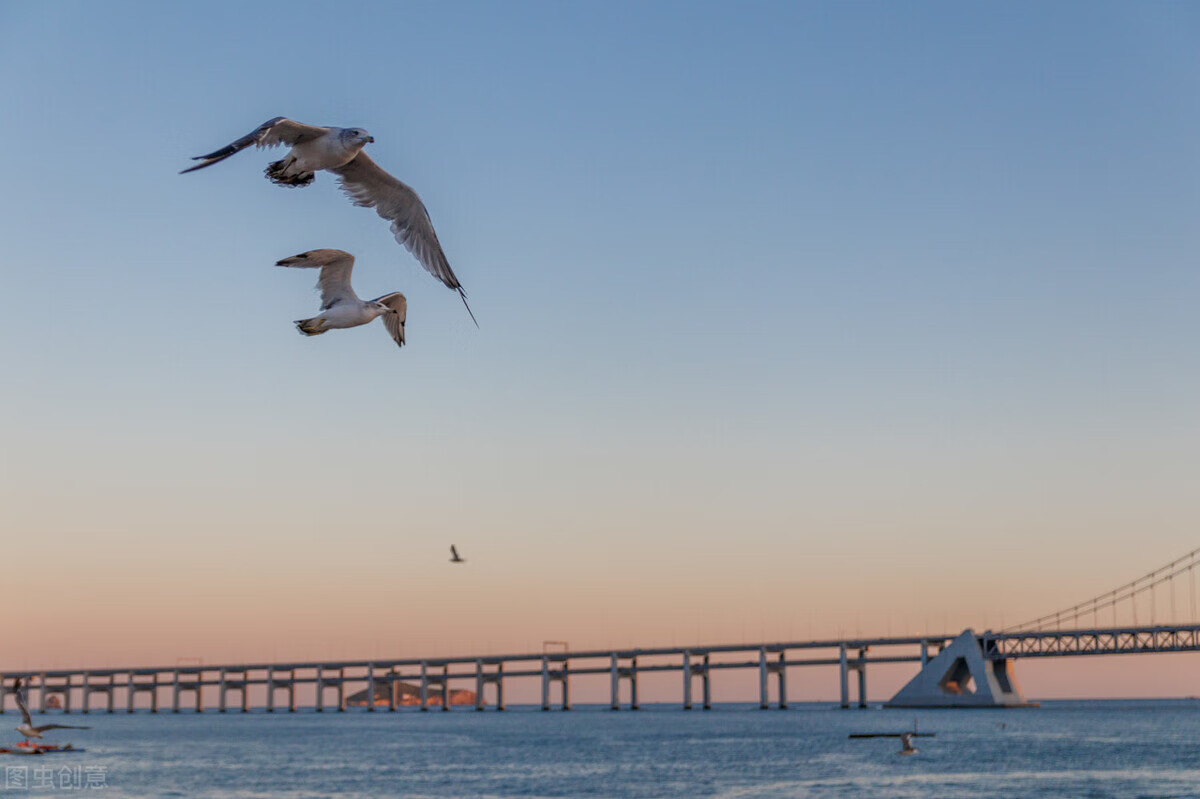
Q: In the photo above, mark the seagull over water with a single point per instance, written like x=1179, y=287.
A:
x=340, y=151
x=340, y=306
x=26, y=728
x=454, y=558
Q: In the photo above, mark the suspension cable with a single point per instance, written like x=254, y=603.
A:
x=1146, y=583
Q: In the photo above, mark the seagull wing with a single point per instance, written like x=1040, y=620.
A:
x=453, y=552
x=334, y=282
x=45, y=727
x=271, y=133
x=370, y=186
x=21, y=704
x=393, y=320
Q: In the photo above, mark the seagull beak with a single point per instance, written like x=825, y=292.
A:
x=295, y=259
x=370, y=140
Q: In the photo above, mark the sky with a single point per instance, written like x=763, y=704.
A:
x=795, y=320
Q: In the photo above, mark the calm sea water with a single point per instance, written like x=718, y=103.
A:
x=1063, y=749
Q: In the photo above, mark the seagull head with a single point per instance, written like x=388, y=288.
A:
x=357, y=136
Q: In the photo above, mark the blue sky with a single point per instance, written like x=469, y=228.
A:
x=877, y=289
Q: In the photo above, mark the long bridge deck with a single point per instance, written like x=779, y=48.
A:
x=433, y=677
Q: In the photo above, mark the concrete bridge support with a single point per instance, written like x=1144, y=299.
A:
x=107, y=688
x=619, y=672
x=225, y=685
x=178, y=687
x=324, y=682
x=133, y=688
x=692, y=670
x=47, y=689
x=483, y=679
x=859, y=665
x=394, y=680
x=961, y=676
x=275, y=683
x=765, y=670
x=560, y=676
x=424, y=686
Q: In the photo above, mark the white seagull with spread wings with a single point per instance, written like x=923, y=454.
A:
x=340, y=306
x=340, y=151
x=26, y=728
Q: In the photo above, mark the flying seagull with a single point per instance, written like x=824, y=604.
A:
x=340, y=151
x=340, y=306
x=454, y=558
x=27, y=729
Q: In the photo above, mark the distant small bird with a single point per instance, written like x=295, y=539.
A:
x=906, y=745
x=454, y=558
x=26, y=728
x=340, y=306
x=339, y=150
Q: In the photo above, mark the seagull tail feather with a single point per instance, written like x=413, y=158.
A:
x=310, y=327
x=276, y=172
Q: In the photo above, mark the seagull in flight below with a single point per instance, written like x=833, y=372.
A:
x=26, y=728
x=340, y=306
x=340, y=151
x=454, y=558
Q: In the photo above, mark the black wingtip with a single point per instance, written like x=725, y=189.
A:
x=463, y=294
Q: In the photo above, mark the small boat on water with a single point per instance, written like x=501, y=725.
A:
x=30, y=748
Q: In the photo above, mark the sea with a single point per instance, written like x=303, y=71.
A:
x=1100, y=748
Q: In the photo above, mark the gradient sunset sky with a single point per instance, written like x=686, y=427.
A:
x=796, y=319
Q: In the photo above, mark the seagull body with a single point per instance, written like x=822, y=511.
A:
x=340, y=151
x=340, y=305
x=26, y=727
x=906, y=744
x=313, y=148
x=454, y=558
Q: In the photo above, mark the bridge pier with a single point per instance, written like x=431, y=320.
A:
x=845, y=666
x=133, y=687
x=687, y=680
x=370, y=687
x=617, y=672
x=961, y=676
x=89, y=688
x=550, y=676
x=484, y=679
x=424, y=686
x=765, y=670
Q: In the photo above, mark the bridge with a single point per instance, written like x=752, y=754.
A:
x=967, y=669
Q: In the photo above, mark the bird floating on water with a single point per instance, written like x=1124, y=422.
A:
x=26, y=727
x=340, y=151
x=454, y=558
x=906, y=738
x=340, y=306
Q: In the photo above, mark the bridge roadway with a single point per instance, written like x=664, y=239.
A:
x=434, y=676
